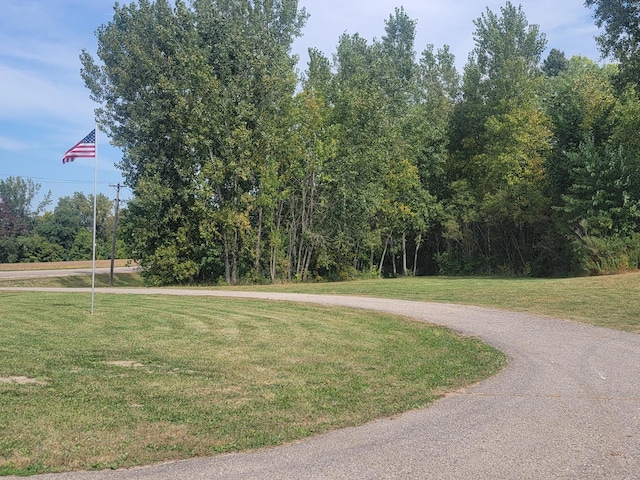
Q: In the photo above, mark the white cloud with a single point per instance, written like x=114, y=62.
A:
x=40, y=52
x=26, y=93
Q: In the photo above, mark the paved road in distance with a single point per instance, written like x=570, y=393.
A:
x=66, y=272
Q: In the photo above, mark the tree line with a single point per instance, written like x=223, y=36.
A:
x=378, y=161
x=31, y=233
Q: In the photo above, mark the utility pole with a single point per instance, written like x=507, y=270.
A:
x=115, y=231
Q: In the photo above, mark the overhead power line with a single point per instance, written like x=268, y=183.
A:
x=52, y=180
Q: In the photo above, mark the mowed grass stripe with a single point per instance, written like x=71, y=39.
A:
x=148, y=378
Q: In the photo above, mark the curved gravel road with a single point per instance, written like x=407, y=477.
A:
x=566, y=407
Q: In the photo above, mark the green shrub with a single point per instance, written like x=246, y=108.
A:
x=606, y=255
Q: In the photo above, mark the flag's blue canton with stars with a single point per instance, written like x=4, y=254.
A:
x=85, y=148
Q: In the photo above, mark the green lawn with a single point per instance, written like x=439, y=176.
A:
x=148, y=379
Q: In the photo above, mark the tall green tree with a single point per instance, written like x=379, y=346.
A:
x=438, y=91
x=396, y=72
x=256, y=70
x=604, y=197
x=555, y=63
x=353, y=178
x=578, y=101
x=150, y=91
x=621, y=37
x=70, y=225
x=305, y=205
x=378, y=111
x=591, y=167
x=501, y=136
x=18, y=220
x=17, y=212
x=194, y=95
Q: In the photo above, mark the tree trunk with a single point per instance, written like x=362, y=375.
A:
x=293, y=239
x=405, y=270
x=393, y=263
x=307, y=262
x=256, y=264
x=227, y=259
x=234, y=260
x=415, y=255
x=384, y=254
x=273, y=258
x=273, y=264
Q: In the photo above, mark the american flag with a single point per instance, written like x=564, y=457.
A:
x=85, y=148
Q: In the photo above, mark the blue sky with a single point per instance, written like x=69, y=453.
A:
x=45, y=108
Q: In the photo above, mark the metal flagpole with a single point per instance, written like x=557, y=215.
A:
x=95, y=183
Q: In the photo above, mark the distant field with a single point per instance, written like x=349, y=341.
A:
x=12, y=267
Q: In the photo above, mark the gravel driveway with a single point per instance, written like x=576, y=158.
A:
x=566, y=407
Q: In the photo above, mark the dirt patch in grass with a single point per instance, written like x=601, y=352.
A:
x=125, y=363
x=20, y=380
